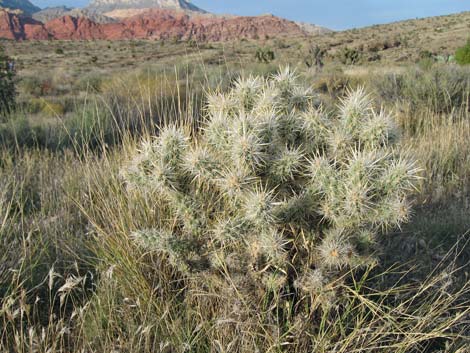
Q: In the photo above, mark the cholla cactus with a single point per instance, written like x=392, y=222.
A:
x=274, y=183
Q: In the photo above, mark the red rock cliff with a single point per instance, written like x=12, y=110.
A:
x=153, y=24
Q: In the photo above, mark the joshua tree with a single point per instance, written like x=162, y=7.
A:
x=274, y=194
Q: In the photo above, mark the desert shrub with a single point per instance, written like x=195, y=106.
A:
x=462, y=55
x=426, y=59
x=384, y=44
x=275, y=199
x=332, y=81
x=37, y=86
x=84, y=128
x=264, y=55
x=439, y=89
x=59, y=51
x=426, y=54
x=374, y=57
x=375, y=46
x=315, y=57
x=7, y=83
x=349, y=56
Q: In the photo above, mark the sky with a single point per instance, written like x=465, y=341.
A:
x=334, y=14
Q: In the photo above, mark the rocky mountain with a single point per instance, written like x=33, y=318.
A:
x=152, y=24
x=105, y=6
x=24, y=5
x=51, y=13
x=19, y=27
x=313, y=29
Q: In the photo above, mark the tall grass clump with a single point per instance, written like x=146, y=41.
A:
x=270, y=207
x=442, y=89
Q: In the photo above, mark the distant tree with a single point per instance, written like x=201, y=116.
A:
x=7, y=82
x=462, y=55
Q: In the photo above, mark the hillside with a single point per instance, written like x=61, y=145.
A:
x=441, y=35
x=402, y=41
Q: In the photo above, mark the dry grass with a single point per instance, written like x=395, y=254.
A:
x=135, y=302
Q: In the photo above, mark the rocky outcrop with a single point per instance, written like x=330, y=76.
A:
x=104, y=6
x=52, y=13
x=313, y=29
x=153, y=24
x=74, y=28
x=18, y=27
x=165, y=24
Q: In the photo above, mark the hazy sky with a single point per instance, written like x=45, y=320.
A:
x=336, y=14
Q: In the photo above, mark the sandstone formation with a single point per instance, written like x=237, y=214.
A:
x=18, y=27
x=152, y=24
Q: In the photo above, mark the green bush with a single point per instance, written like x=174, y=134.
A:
x=462, y=55
x=275, y=193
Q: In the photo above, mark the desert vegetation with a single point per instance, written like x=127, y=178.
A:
x=187, y=197
x=462, y=55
